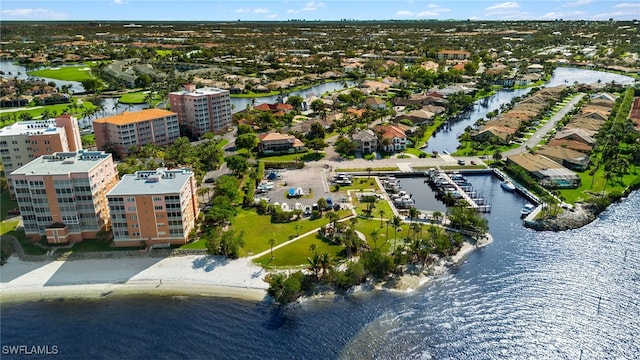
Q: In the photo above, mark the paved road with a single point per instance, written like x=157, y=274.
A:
x=544, y=129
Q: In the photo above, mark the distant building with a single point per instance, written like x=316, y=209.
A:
x=375, y=103
x=202, y=110
x=453, y=55
x=63, y=196
x=153, y=207
x=150, y=126
x=26, y=140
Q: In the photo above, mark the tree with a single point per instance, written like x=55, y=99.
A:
x=272, y=242
x=344, y=146
x=382, y=212
x=238, y=164
x=247, y=141
x=497, y=156
x=322, y=204
x=90, y=84
x=295, y=101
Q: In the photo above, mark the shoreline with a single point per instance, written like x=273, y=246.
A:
x=190, y=275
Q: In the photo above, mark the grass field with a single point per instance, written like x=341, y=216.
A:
x=8, y=226
x=36, y=112
x=6, y=204
x=302, y=156
x=138, y=97
x=296, y=254
x=67, y=73
x=258, y=229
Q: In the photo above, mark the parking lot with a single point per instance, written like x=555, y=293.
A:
x=312, y=180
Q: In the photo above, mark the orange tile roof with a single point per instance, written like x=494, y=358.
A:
x=134, y=117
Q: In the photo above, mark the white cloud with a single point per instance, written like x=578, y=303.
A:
x=405, y=13
x=565, y=15
x=118, y=2
x=39, y=13
x=260, y=11
x=506, y=11
x=630, y=6
x=253, y=11
x=243, y=11
x=271, y=16
x=506, y=6
x=291, y=11
x=433, y=11
x=313, y=6
x=578, y=3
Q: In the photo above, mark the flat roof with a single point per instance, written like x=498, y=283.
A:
x=201, y=91
x=31, y=128
x=151, y=182
x=134, y=117
x=62, y=163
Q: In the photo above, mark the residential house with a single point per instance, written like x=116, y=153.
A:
x=581, y=135
x=568, y=158
x=494, y=134
x=366, y=141
x=375, y=103
x=393, y=138
x=136, y=129
x=573, y=145
x=547, y=172
x=635, y=112
x=417, y=117
x=62, y=196
x=153, y=207
x=277, y=142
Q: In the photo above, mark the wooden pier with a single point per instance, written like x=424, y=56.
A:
x=468, y=194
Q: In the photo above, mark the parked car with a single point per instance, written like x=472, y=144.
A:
x=209, y=180
x=461, y=162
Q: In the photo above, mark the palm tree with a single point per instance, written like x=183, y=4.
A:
x=272, y=242
x=374, y=237
x=382, y=212
x=437, y=216
x=326, y=263
x=314, y=264
x=333, y=218
x=116, y=106
x=413, y=213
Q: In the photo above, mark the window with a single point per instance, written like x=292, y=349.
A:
x=47, y=142
x=158, y=207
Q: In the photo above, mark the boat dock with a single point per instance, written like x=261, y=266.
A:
x=457, y=186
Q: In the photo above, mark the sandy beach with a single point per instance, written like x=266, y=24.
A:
x=192, y=275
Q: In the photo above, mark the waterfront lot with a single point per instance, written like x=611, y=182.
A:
x=311, y=179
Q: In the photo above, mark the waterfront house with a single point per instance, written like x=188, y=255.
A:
x=570, y=159
x=547, y=172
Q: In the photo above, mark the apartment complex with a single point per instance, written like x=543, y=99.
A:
x=136, y=129
x=26, y=140
x=153, y=207
x=63, y=195
x=202, y=110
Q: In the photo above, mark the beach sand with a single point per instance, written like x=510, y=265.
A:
x=192, y=275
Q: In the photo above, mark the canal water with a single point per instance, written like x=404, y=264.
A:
x=447, y=137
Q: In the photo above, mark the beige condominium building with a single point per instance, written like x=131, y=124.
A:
x=119, y=133
x=63, y=195
x=202, y=110
x=26, y=140
x=157, y=207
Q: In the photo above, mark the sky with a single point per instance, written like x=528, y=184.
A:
x=281, y=10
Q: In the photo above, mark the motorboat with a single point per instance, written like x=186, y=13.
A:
x=527, y=209
x=508, y=185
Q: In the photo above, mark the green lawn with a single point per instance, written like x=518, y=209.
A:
x=296, y=254
x=6, y=204
x=36, y=112
x=138, y=97
x=360, y=183
x=302, y=156
x=67, y=73
x=596, y=184
x=258, y=229
x=198, y=244
x=383, y=168
x=8, y=226
x=163, y=52
x=379, y=205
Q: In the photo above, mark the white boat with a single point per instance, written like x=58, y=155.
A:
x=508, y=185
x=527, y=209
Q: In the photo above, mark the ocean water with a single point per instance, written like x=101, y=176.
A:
x=527, y=295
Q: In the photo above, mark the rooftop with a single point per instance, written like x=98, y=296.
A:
x=201, y=91
x=135, y=117
x=149, y=182
x=62, y=163
x=31, y=128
